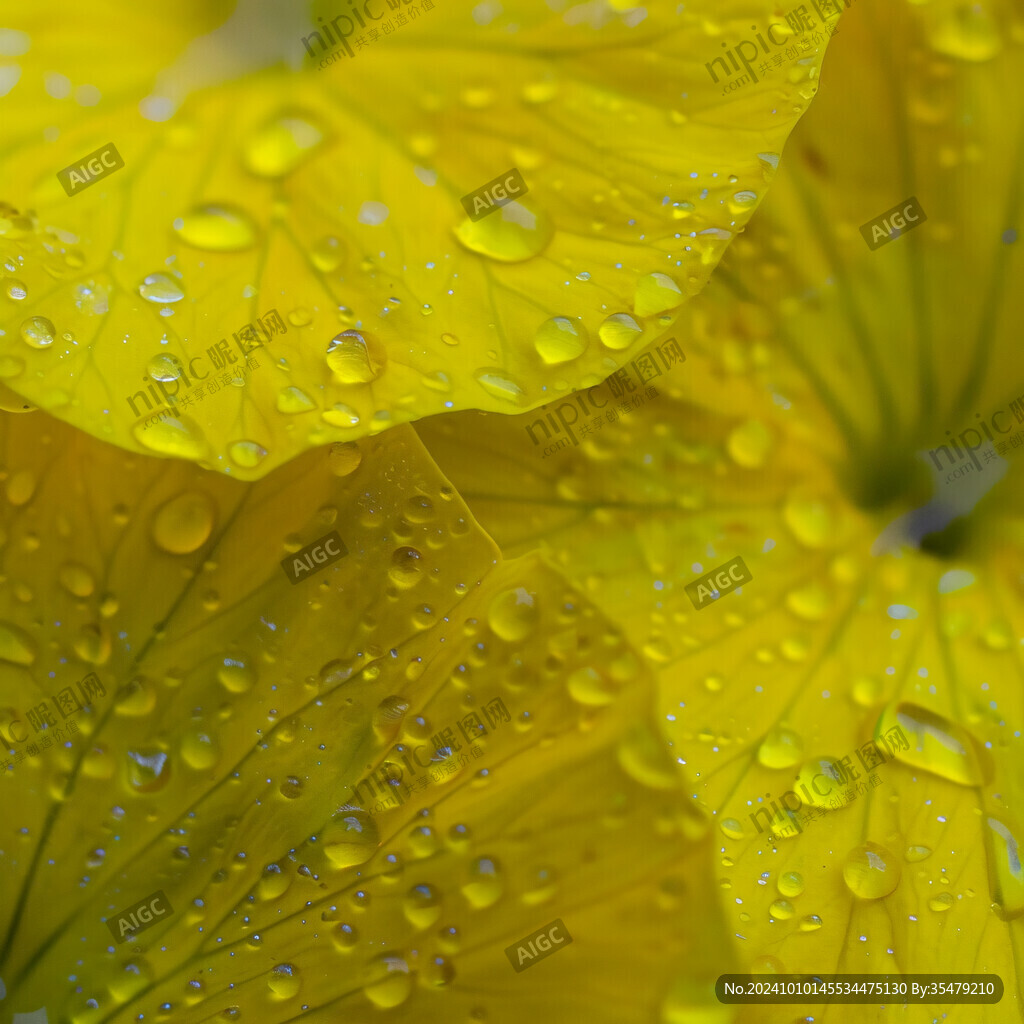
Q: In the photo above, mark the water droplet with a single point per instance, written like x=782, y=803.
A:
x=356, y=357
x=749, y=444
x=619, y=331
x=351, y=838
x=498, y=384
x=539, y=92
x=344, y=458
x=866, y=691
x=422, y=906
x=178, y=436
x=20, y=488
x=161, y=288
x=781, y=910
x=943, y=901
x=292, y=400
x=76, y=579
x=871, y=871
x=810, y=520
x=731, y=828
x=560, y=340
x=247, y=454
x=449, y=339
x=199, y=750
x=148, y=770
x=183, y=524
x=341, y=415
x=485, y=885
x=165, y=367
x=280, y=145
x=388, y=981
x=284, y=981
x=406, y=568
x=790, y=883
x=16, y=646
x=16, y=290
x=966, y=31
x=327, y=255
x=656, y=293
x=1005, y=874
x=513, y=614
x=781, y=748
x=218, y=228
x=512, y=233
x=914, y=854
x=937, y=745
x=38, y=332
x=588, y=686
x=810, y=923
x=235, y=676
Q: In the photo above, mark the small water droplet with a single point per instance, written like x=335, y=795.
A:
x=560, y=339
x=619, y=331
x=871, y=871
x=356, y=357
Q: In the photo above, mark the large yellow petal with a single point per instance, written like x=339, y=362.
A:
x=255, y=182
x=820, y=377
x=237, y=756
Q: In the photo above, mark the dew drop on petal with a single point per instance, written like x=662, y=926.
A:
x=183, y=524
x=560, y=340
x=217, y=228
x=619, y=331
x=161, y=288
x=38, y=332
x=871, y=871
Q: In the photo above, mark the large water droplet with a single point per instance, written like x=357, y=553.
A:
x=871, y=871
x=356, y=357
x=388, y=980
x=161, y=288
x=936, y=744
x=499, y=385
x=284, y=981
x=1005, y=874
x=293, y=400
x=485, y=885
x=781, y=748
x=656, y=293
x=38, y=332
x=184, y=523
x=351, y=838
x=513, y=614
x=178, y=436
x=279, y=146
x=619, y=331
x=422, y=906
x=512, y=233
x=560, y=340
x=247, y=454
x=148, y=770
x=16, y=646
x=218, y=228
